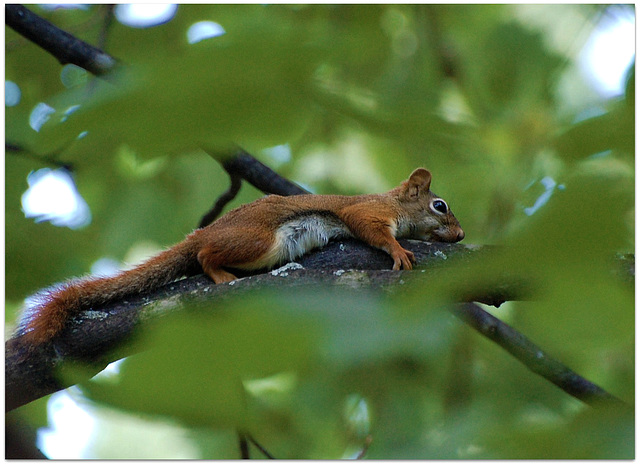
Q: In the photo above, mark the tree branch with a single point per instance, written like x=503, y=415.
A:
x=222, y=201
x=533, y=356
x=258, y=174
x=95, y=336
x=242, y=165
x=62, y=45
x=69, y=49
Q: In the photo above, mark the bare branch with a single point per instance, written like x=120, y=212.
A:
x=244, y=165
x=533, y=356
x=62, y=45
x=222, y=201
x=262, y=449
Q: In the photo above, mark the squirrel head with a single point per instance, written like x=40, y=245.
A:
x=429, y=216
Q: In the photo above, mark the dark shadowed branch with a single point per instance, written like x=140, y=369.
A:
x=50, y=159
x=62, y=45
x=245, y=440
x=259, y=175
x=92, y=336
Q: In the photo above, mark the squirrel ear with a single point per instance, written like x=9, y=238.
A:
x=420, y=180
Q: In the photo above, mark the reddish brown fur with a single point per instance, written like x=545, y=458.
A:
x=251, y=237
x=59, y=305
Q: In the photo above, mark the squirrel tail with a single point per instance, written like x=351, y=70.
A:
x=55, y=307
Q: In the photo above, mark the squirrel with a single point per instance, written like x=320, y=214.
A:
x=260, y=235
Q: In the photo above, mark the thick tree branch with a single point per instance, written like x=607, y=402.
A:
x=62, y=45
x=93, y=336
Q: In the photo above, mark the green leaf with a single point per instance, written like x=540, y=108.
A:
x=197, y=362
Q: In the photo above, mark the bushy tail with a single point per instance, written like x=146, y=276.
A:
x=55, y=307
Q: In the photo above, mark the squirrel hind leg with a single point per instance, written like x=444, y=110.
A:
x=213, y=268
x=244, y=248
x=220, y=276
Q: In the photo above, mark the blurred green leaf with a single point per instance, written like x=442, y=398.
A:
x=593, y=434
x=196, y=365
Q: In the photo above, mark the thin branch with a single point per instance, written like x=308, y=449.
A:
x=262, y=449
x=19, y=151
x=69, y=49
x=62, y=45
x=533, y=356
x=245, y=439
x=32, y=377
x=223, y=200
x=107, y=20
x=244, y=165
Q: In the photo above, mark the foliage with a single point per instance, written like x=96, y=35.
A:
x=361, y=95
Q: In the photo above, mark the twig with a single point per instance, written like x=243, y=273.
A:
x=262, y=449
x=533, y=356
x=244, y=439
x=69, y=49
x=242, y=165
x=107, y=20
x=223, y=200
x=101, y=41
x=62, y=45
x=19, y=151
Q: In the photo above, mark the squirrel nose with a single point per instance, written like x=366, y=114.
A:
x=460, y=235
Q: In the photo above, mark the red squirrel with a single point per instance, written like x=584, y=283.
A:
x=262, y=234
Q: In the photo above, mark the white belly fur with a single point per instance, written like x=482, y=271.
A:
x=296, y=237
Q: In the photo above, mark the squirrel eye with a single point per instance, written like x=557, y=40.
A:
x=440, y=206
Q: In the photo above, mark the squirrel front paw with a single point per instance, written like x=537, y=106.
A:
x=402, y=258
